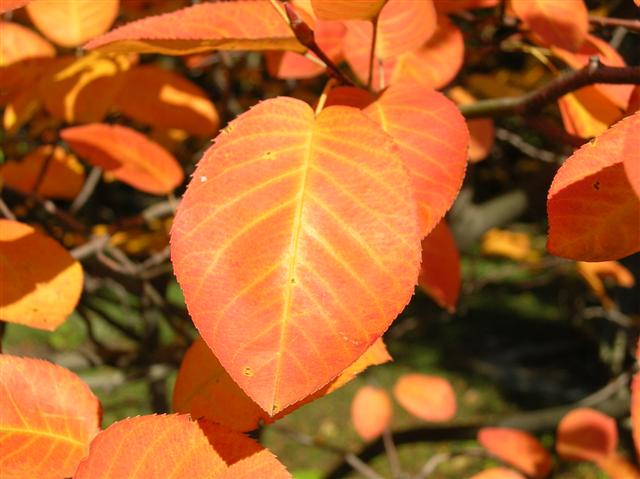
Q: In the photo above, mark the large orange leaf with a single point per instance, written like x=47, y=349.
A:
x=563, y=24
x=6, y=5
x=204, y=389
x=371, y=412
x=586, y=435
x=402, y=26
x=498, y=473
x=347, y=9
x=594, y=214
x=41, y=282
x=631, y=158
x=18, y=43
x=245, y=25
x=63, y=178
x=48, y=416
x=427, y=397
x=156, y=447
x=70, y=23
x=165, y=99
x=517, y=448
x=128, y=155
x=284, y=213
x=440, y=270
x=481, y=131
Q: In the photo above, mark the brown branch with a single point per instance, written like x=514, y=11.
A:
x=594, y=72
x=633, y=25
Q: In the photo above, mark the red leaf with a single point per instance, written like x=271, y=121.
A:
x=18, y=43
x=371, y=412
x=41, y=282
x=586, y=435
x=292, y=214
x=347, y=9
x=518, y=449
x=563, y=24
x=594, y=214
x=440, y=271
x=427, y=397
x=127, y=154
x=48, y=416
x=246, y=25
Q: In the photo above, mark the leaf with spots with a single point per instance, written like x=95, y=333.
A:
x=594, y=213
x=285, y=213
x=48, y=416
x=41, y=282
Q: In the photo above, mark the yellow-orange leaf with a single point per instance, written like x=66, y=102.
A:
x=347, y=9
x=593, y=273
x=41, y=282
x=618, y=467
x=513, y=245
x=481, y=131
x=128, y=155
x=203, y=385
x=498, y=473
x=371, y=412
x=81, y=90
x=70, y=23
x=587, y=112
x=563, y=24
x=518, y=449
x=440, y=270
x=586, y=435
x=157, y=447
x=63, y=178
x=48, y=416
x=246, y=25
x=18, y=43
x=427, y=397
x=594, y=214
x=165, y=99
x=284, y=212
x=6, y=5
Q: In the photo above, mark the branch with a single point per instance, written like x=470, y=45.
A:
x=594, y=72
x=633, y=25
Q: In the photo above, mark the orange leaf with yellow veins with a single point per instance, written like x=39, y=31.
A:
x=591, y=196
x=563, y=24
x=128, y=155
x=295, y=208
x=347, y=9
x=41, y=282
x=518, y=449
x=246, y=25
x=63, y=178
x=430, y=398
x=203, y=384
x=440, y=270
x=371, y=412
x=48, y=416
x=164, y=99
x=18, y=43
x=70, y=23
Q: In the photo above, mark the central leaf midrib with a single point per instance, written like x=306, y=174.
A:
x=296, y=230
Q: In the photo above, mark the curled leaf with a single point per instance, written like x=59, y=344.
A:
x=586, y=435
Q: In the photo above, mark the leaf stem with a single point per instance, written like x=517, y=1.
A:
x=325, y=93
x=372, y=53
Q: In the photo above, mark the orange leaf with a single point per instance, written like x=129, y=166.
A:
x=435, y=63
x=371, y=412
x=156, y=447
x=631, y=159
x=292, y=213
x=128, y=155
x=247, y=25
x=635, y=412
x=7, y=5
x=518, y=449
x=498, y=473
x=587, y=112
x=440, y=271
x=41, y=282
x=347, y=9
x=592, y=273
x=164, y=99
x=594, y=214
x=402, y=26
x=449, y=6
x=617, y=467
x=202, y=385
x=427, y=397
x=512, y=245
x=18, y=43
x=48, y=416
x=586, y=435
x=82, y=90
x=70, y=23
x=63, y=178
x=481, y=131
x=563, y=24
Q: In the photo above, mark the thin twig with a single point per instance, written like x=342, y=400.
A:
x=392, y=454
x=87, y=190
x=43, y=171
x=527, y=148
x=360, y=466
x=633, y=25
x=6, y=211
x=90, y=248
